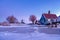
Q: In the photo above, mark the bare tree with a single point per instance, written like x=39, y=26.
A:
x=32, y=18
x=11, y=19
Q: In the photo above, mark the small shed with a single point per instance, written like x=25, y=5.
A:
x=58, y=19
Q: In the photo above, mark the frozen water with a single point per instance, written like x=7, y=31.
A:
x=29, y=36
x=29, y=33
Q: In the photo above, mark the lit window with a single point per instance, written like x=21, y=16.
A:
x=48, y=19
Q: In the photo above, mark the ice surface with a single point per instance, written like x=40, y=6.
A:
x=29, y=36
x=29, y=33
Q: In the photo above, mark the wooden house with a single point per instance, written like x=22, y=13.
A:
x=48, y=18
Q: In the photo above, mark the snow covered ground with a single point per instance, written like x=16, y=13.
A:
x=28, y=36
x=29, y=33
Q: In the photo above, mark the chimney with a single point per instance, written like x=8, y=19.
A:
x=49, y=12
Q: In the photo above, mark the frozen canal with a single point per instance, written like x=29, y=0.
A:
x=26, y=33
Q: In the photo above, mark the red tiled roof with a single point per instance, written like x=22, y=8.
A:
x=50, y=16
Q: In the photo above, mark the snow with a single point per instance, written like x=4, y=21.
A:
x=49, y=30
x=17, y=25
x=29, y=33
x=29, y=36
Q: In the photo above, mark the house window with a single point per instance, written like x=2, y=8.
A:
x=49, y=20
